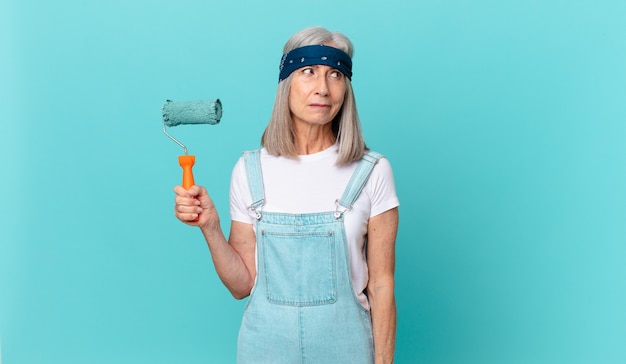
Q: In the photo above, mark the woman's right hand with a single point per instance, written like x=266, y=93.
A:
x=234, y=260
x=195, y=207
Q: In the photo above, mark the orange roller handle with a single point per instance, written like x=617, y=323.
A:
x=187, y=162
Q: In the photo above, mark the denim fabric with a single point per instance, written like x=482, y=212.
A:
x=253, y=169
x=358, y=179
x=303, y=308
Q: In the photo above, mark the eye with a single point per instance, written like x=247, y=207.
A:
x=336, y=74
x=307, y=70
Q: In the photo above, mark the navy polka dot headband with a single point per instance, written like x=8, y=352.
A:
x=315, y=55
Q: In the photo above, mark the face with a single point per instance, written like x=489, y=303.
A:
x=316, y=94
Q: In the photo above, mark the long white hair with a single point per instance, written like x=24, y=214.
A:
x=279, y=138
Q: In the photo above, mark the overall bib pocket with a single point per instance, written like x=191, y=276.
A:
x=303, y=268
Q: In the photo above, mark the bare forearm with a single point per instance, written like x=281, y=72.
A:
x=233, y=259
x=383, y=309
x=382, y=230
x=229, y=264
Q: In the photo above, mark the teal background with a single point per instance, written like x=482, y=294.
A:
x=504, y=121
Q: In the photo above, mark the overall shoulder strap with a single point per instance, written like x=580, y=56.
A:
x=252, y=161
x=359, y=178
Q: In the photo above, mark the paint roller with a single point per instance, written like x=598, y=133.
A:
x=189, y=112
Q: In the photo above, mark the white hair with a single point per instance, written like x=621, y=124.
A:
x=279, y=138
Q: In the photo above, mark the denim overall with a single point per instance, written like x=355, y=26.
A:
x=302, y=308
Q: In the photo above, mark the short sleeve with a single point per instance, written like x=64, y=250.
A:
x=240, y=198
x=381, y=188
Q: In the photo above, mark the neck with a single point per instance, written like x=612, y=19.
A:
x=313, y=139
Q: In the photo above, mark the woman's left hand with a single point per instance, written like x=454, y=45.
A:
x=381, y=261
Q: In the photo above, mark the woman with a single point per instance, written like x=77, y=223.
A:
x=314, y=221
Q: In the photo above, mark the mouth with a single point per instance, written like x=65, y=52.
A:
x=319, y=106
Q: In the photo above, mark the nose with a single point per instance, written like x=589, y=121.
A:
x=322, y=86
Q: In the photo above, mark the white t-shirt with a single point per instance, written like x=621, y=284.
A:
x=313, y=183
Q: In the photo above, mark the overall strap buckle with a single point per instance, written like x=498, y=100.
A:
x=357, y=181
